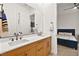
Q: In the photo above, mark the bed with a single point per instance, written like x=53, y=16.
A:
x=67, y=40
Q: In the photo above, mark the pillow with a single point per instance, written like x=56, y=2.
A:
x=67, y=33
x=61, y=33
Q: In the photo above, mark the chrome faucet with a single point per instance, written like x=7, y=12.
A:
x=16, y=35
x=20, y=33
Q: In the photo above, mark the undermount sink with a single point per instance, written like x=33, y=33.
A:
x=17, y=42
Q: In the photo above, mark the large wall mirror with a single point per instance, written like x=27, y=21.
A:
x=18, y=18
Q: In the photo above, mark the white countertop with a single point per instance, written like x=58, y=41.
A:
x=5, y=47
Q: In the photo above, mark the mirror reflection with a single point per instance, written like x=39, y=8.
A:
x=17, y=18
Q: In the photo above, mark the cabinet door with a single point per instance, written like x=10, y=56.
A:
x=47, y=46
x=12, y=53
x=40, y=49
x=30, y=50
x=16, y=52
x=21, y=51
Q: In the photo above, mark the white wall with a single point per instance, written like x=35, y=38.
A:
x=68, y=21
x=12, y=11
x=45, y=13
x=50, y=13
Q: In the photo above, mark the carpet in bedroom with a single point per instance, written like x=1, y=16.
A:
x=66, y=51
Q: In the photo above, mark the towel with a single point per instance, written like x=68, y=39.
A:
x=4, y=17
x=0, y=15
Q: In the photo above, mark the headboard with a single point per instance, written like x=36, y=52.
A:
x=67, y=30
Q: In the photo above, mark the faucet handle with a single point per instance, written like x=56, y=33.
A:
x=15, y=34
x=12, y=39
x=20, y=32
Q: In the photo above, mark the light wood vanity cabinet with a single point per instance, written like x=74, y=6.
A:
x=38, y=48
x=47, y=46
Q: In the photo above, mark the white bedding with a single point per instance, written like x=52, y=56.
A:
x=67, y=37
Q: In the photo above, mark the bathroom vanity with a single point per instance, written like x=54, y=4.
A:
x=40, y=46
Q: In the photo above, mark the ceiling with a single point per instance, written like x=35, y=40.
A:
x=62, y=6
